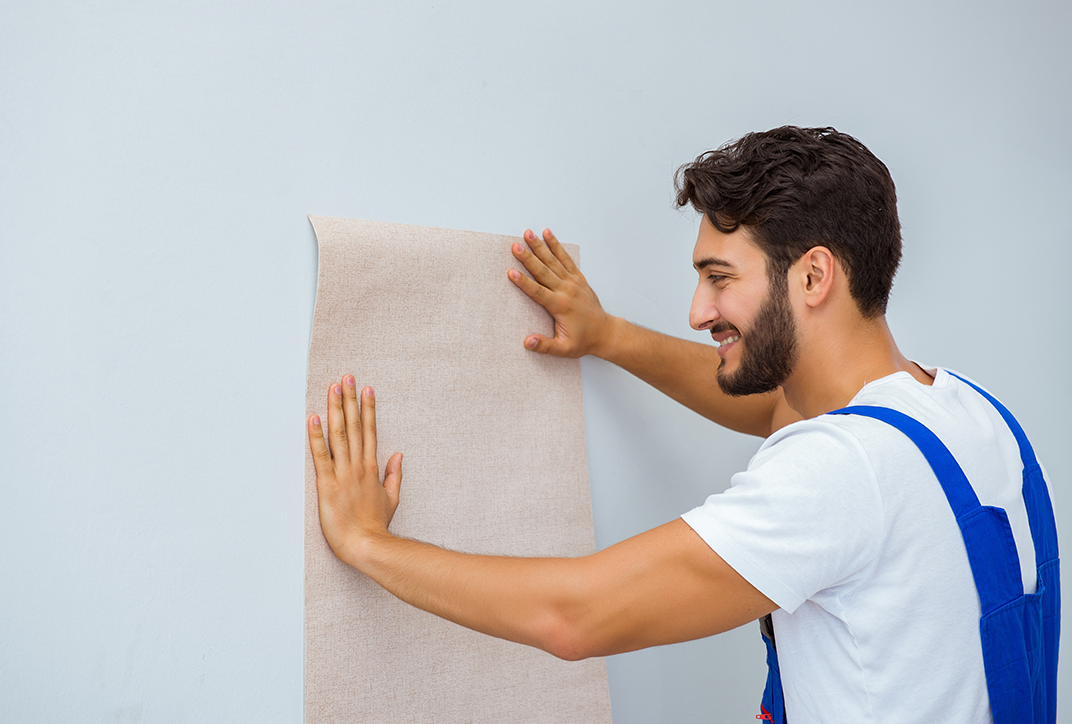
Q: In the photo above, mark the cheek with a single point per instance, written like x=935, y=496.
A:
x=742, y=308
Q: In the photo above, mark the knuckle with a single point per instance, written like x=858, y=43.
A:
x=532, y=259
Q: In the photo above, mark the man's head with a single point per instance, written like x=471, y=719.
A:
x=748, y=316
x=797, y=188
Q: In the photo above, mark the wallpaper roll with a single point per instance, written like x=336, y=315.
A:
x=493, y=437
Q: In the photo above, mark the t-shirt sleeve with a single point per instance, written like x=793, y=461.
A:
x=804, y=517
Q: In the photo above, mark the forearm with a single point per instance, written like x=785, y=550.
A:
x=686, y=372
x=526, y=600
x=663, y=586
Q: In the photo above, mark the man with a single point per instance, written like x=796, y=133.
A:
x=840, y=528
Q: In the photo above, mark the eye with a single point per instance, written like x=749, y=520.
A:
x=716, y=278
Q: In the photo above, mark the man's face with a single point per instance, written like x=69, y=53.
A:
x=748, y=317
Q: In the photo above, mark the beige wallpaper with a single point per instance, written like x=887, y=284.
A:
x=493, y=437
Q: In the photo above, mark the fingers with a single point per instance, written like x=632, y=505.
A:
x=351, y=411
x=548, y=268
x=351, y=495
x=559, y=251
x=337, y=426
x=368, y=427
x=543, y=252
x=536, y=267
x=540, y=260
x=351, y=421
x=321, y=454
x=536, y=291
x=547, y=260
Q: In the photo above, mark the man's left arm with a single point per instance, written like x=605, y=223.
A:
x=663, y=586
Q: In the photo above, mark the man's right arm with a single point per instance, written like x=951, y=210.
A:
x=683, y=370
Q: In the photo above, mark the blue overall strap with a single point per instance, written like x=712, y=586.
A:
x=772, y=708
x=1019, y=645
x=1047, y=557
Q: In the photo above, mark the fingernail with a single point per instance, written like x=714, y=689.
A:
x=518, y=248
x=337, y=390
x=316, y=420
x=350, y=380
x=530, y=343
x=370, y=392
x=514, y=274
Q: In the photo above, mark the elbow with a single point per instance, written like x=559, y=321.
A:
x=568, y=646
x=565, y=636
x=571, y=619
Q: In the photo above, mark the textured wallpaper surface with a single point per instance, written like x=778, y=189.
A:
x=493, y=437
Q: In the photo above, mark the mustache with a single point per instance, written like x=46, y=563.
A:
x=720, y=327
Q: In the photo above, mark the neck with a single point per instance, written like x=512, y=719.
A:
x=836, y=362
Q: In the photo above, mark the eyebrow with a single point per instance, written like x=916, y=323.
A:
x=712, y=261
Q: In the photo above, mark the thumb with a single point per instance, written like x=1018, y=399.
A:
x=392, y=478
x=546, y=345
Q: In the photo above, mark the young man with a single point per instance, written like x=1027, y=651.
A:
x=893, y=597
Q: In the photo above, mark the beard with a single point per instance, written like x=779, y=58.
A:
x=769, y=352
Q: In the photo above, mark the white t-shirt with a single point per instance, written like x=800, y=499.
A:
x=840, y=521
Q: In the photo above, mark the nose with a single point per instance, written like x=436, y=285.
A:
x=703, y=314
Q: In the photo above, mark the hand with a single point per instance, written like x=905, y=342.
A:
x=354, y=505
x=581, y=325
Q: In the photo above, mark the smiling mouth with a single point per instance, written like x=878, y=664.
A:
x=727, y=340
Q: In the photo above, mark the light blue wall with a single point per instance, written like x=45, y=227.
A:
x=157, y=277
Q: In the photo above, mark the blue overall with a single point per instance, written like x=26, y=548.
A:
x=1020, y=633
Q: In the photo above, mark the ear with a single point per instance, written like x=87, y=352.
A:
x=815, y=272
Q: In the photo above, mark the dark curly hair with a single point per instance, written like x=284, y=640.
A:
x=797, y=188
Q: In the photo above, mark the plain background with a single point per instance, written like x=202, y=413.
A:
x=157, y=277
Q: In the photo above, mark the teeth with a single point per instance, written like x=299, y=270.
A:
x=727, y=340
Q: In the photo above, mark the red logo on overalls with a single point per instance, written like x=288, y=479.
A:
x=766, y=715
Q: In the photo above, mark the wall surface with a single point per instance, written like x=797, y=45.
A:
x=157, y=277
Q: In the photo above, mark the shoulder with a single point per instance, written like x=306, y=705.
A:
x=830, y=443
x=951, y=407
x=807, y=514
